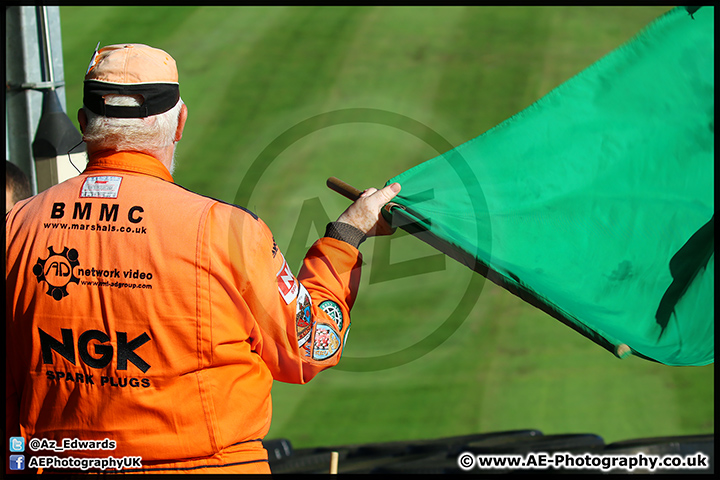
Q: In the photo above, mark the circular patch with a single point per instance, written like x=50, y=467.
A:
x=326, y=342
x=334, y=312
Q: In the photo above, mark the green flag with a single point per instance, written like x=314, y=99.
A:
x=596, y=203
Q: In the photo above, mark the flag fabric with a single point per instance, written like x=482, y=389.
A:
x=596, y=203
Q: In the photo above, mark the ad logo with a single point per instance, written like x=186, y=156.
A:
x=57, y=271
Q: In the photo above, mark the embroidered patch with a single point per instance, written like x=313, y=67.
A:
x=307, y=348
x=333, y=310
x=303, y=316
x=326, y=342
x=101, y=187
x=287, y=284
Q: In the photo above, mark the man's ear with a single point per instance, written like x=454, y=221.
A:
x=182, y=118
x=82, y=120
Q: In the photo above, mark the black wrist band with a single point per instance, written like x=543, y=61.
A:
x=345, y=232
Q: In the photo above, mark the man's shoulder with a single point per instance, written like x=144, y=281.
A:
x=218, y=202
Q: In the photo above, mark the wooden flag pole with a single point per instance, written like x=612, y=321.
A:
x=347, y=191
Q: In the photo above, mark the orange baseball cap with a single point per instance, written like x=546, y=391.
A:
x=131, y=69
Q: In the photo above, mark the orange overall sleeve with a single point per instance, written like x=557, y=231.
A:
x=300, y=322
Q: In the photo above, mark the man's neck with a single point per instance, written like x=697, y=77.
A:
x=166, y=156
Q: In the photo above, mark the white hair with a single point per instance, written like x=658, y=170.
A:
x=148, y=135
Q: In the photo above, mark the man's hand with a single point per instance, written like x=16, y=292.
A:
x=364, y=213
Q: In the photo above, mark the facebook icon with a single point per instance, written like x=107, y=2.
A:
x=17, y=462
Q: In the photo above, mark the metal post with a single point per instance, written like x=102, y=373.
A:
x=28, y=74
x=56, y=136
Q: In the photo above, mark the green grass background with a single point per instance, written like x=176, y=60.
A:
x=410, y=369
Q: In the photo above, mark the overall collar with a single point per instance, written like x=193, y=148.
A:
x=132, y=162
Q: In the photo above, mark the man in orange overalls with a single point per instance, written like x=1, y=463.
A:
x=149, y=322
